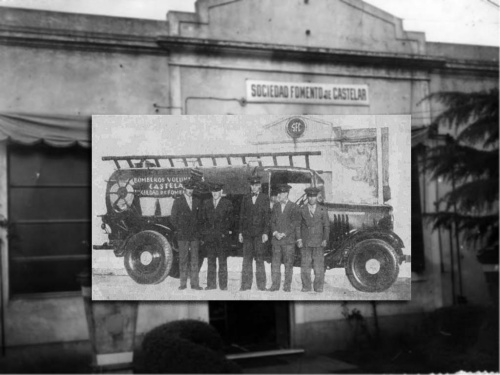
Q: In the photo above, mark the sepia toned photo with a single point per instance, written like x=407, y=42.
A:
x=251, y=207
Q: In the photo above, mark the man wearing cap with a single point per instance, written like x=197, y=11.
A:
x=185, y=218
x=315, y=230
x=217, y=219
x=253, y=233
x=285, y=227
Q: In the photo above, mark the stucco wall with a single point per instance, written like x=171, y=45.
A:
x=345, y=24
x=75, y=23
x=81, y=82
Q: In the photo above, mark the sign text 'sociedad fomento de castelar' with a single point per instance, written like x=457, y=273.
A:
x=314, y=93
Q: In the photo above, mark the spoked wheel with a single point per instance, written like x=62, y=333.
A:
x=372, y=266
x=148, y=257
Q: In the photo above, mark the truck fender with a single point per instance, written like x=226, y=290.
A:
x=167, y=232
x=358, y=235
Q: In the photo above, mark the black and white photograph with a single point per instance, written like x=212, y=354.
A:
x=251, y=207
x=141, y=142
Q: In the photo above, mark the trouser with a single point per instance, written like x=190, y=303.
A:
x=216, y=250
x=287, y=254
x=253, y=248
x=315, y=256
x=184, y=259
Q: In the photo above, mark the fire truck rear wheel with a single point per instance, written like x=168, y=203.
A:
x=372, y=265
x=148, y=257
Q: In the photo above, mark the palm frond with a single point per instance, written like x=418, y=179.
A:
x=463, y=107
x=474, y=196
x=453, y=161
x=472, y=172
x=484, y=129
x=474, y=228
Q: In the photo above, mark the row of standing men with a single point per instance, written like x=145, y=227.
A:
x=288, y=224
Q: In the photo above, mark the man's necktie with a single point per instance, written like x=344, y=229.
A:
x=157, y=208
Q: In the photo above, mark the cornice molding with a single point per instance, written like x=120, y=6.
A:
x=76, y=40
x=286, y=52
x=133, y=44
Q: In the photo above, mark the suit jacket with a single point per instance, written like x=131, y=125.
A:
x=186, y=220
x=287, y=222
x=254, y=218
x=315, y=229
x=217, y=222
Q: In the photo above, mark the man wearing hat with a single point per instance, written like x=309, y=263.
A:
x=217, y=219
x=253, y=233
x=185, y=218
x=285, y=227
x=315, y=230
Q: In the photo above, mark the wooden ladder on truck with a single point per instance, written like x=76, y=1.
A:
x=208, y=160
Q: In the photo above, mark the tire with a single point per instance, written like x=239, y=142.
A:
x=372, y=266
x=156, y=254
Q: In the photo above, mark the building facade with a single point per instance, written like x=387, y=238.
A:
x=229, y=57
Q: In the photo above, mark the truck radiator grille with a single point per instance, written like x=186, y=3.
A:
x=339, y=228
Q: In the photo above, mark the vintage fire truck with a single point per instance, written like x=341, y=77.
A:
x=140, y=194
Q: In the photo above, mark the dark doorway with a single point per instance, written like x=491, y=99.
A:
x=251, y=326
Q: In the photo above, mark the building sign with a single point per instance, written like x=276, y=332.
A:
x=314, y=93
x=156, y=183
x=295, y=127
x=159, y=186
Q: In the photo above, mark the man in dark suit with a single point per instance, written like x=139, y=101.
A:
x=315, y=230
x=285, y=227
x=254, y=228
x=185, y=218
x=217, y=217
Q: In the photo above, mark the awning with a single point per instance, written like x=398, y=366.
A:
x=54, y=130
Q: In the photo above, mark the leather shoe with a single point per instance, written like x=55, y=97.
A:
x=286, y=290
x=197, y=288
x=305, y=290
x=182, y=287
x=210, y=287
x=223, y=288
x=272, y=289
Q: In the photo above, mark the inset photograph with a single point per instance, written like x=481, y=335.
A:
x=251, y=207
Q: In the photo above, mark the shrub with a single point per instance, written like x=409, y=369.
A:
x=185, y=346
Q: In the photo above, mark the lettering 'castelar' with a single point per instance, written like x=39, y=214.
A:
x=349, y=93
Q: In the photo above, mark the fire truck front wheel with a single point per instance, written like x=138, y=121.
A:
x=372, y=265
x=148, y=257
